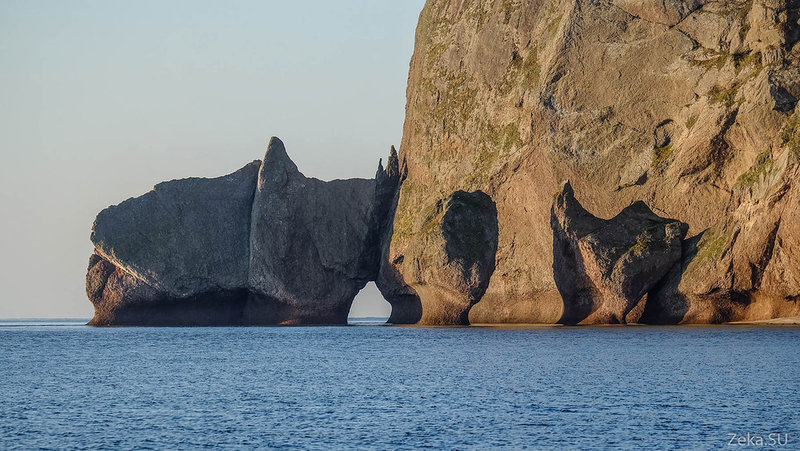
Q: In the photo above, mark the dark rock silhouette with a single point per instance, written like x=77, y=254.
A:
x=187, y=241
x=264, y=245
x=311, y=243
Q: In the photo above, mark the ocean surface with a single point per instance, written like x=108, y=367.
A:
x=366, y=386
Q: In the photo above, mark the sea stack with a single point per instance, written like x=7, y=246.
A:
x=264, y=245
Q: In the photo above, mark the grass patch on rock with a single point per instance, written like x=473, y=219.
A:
x=711, y=245
x=715, y=60
x=744, y=60
x=661, y=154
x=790, y=133
x=725, y=96
x=523, y=71
x=759, y=169
x=552, y=27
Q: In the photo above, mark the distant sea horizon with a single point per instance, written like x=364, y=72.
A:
x=46, y=321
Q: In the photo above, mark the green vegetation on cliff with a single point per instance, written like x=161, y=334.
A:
x=790, y=133
x=759, y=169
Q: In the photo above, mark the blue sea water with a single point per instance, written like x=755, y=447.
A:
x=64, y=385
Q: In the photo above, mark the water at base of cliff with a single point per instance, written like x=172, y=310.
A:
x=64, y=385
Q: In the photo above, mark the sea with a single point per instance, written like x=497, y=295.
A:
x=64, y=385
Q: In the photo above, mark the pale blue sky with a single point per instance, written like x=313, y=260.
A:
x=100, y=100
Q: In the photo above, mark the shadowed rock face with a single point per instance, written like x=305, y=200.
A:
x=603, y=268
x=311, y=243
x=186, y=236
x=176, y=255
x=264, y=245
x=121, y=300
x=454, y=262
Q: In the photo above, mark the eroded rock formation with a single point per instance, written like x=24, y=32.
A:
x=745, y=267
x=604, y=268
x=454, y=262
x=185, y=243
x=311, y=246
x=687, y=105
x=264, y=245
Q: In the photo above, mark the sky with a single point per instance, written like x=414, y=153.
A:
x=101, y=100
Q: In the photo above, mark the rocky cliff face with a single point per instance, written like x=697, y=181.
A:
x=264, y=245
x=186, y=236
x=687, y=105
x=653, y=109
x=312, y=243
x=174, y=250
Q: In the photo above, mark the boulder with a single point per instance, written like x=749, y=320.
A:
x=604, y=268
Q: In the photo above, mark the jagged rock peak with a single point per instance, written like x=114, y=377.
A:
x=388, y=179
x=276, y=160
x=393, y=164
x=570, y=213
x=264, y=245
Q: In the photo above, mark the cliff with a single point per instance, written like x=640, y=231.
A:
x=677, y=120
x=686, y=105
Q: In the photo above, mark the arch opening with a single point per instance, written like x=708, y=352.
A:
x=369, y=307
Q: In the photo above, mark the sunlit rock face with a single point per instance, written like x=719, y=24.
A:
x=264, y=245
x=454, y=263
x=688, y=106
